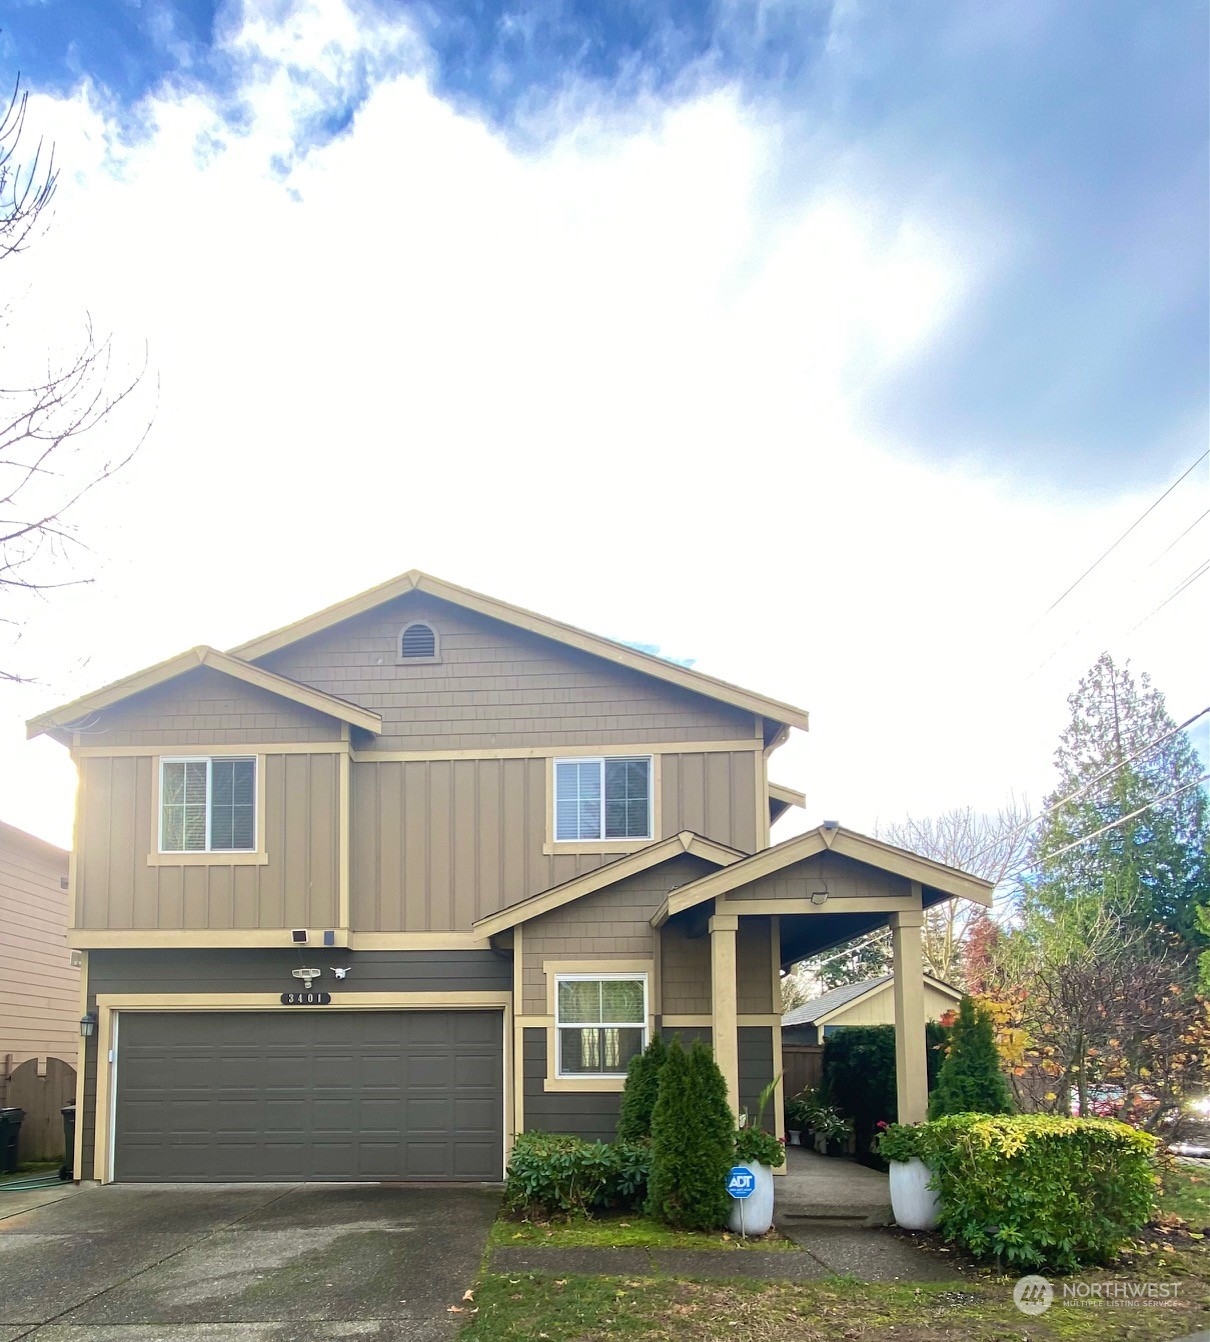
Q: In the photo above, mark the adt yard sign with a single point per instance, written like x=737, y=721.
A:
x=741, y=1182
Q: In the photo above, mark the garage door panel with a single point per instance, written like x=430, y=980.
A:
x=309, y=1095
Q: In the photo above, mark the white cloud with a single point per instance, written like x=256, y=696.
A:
x=603, y=379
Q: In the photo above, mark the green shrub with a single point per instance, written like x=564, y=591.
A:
x=902, y=1141
x=970, y=1080
x=554, y=1172
x=1035, y=1191
x=758, y=1147
x=641, y=1092
x=859, y=1074
x=692, y=1142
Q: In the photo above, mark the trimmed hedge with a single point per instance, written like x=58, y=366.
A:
x=1035, y=1191
x=970, y=1080
x=859, y=1075
x=555, y=1173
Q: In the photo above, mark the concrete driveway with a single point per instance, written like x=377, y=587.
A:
x=263, y=1262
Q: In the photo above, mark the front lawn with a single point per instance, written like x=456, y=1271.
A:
x=1186, y=1194
x=522, y=1307
x=621, y=1232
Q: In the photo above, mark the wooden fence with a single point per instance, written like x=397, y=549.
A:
x=802, y=1067
x=42, y=1098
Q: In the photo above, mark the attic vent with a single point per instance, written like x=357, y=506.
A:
x=418, y=642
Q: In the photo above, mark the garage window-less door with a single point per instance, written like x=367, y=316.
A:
x=295, y=1095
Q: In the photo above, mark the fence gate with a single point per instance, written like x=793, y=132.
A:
x=42, y=1098
x=803, y=1067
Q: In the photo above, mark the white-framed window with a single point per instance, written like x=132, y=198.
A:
x=208, y=804
x=609, y=797
x=600, y=1022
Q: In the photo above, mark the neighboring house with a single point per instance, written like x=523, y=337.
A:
x=39, y=985
x=511, y=849
x=870, y=1002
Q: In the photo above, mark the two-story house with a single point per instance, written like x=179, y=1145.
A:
x=365, y=897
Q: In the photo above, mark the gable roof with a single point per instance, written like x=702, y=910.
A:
x=546, y=901
x=827, y=1004
x=937, y=879
x=416, y=581
x=12, y=837
x=58, y=721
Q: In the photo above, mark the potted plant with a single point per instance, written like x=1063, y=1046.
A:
x=757, y=1151
x=832, y=1132
x=915, y=1203
x=798, y=1118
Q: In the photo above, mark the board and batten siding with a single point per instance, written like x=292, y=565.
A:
x=437, y=844
x=495, y=686
x=39, y=988
x=205, y=707
x=117, y=830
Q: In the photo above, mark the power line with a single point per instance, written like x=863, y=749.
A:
x=1185, y=582
x=1060, y=599
x=1033, y=820
x=1196, y=522
x=1114, y=824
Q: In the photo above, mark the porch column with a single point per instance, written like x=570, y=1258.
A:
x=723, y=1002
x=911, y=1072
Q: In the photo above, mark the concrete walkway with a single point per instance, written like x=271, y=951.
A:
x=832, y=1190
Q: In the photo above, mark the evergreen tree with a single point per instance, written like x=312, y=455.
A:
x=970, y=1080
x=641, y=1092
x=1153, y=869
x=692, y=1141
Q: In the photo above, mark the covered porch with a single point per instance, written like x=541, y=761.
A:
x=816, y=891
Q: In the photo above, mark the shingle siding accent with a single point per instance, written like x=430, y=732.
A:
x=592, y=1115
x=495, y=686
x=206, y=707
x=613, y=924
x=755, y=1068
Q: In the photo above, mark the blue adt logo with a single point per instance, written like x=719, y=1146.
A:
x=741, y=1182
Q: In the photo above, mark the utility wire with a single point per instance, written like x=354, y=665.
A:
x=1172, y=596
x=1114, y=824
x=1060, y=599
x=1027, y=825
x=1196, y=522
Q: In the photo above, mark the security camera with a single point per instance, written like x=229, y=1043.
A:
x=340, y=973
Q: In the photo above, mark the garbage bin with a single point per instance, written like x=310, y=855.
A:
x=67, y=1169
x=10, y=1131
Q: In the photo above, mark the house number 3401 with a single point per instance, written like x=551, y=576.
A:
x=306, y=999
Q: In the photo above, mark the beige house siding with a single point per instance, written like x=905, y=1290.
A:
x=842, y=877
x=614, y=924
x=117, y=830
x=39, y=989
x=879, y=1007
x=684, y=971
x=437, y=844
x=754, y=967
x=495, y=687
x=205, y=707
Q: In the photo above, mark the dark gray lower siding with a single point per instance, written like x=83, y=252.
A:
x=268, y=970
x=593, y=1116
x=755, y=1068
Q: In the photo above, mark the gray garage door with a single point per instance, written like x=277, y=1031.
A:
x=320, y=1094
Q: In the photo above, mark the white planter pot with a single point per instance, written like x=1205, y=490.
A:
x=915, y=1204
x=795, y=1136
x=754, y=1215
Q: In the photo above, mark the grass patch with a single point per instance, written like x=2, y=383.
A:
x=621, y=1232
x=31, y=1167
x=1186, y=1193
x=522, y=1307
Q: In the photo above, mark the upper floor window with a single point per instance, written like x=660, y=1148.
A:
x=601, y=1021
x=418, y=643
x=603, y=798
x=207, y=805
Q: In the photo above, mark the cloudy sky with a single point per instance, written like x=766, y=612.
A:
x=825, y=344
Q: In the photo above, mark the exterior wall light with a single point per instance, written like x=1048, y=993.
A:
x=819, y=897
x=88, y=1025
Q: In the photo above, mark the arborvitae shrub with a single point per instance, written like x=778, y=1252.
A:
x=970, y=1080
x=692, y=1141
x=641, y=1092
